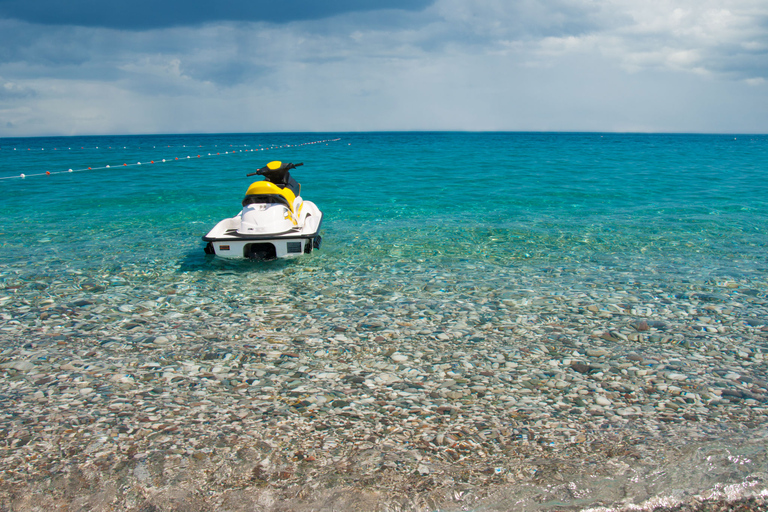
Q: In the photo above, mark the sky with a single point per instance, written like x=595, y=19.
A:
x=82, y=67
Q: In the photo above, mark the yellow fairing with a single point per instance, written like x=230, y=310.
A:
x=268, y=188
x=274, y=165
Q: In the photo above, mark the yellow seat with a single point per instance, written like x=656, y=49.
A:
x=266, y=188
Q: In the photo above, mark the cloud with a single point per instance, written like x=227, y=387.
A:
x=150, y=14
x=727, y=39
x=703, y=37
x=447, y=64
x=14, y=91
x=526, y=19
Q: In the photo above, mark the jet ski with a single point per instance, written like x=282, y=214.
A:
x=275, y=221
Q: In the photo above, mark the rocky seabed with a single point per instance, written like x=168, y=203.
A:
x=312, y=388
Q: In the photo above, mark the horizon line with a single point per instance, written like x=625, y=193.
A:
x=359, y=132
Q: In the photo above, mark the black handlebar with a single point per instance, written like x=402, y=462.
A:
x=265, y=170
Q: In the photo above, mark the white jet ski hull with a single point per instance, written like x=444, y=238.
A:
x=229, y=239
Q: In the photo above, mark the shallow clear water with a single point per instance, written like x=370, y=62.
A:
x=497, y=198
x=409, y=218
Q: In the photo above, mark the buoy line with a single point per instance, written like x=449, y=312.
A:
x=167, y=160
x=153, y=146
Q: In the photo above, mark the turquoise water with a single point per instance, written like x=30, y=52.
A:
x=453, y=197
x=419, y=220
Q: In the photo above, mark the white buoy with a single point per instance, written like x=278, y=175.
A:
x=69, y=170
x=107, y=167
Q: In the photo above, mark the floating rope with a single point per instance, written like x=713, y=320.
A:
x=167, y=160
x=102, y=148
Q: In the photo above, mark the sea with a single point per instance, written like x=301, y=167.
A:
x=418, y=217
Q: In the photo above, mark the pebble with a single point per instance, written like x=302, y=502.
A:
x=601, y=400
x=405, y=377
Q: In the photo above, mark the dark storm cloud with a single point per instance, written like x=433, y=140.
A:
x=150, y=14
x=19, y=42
